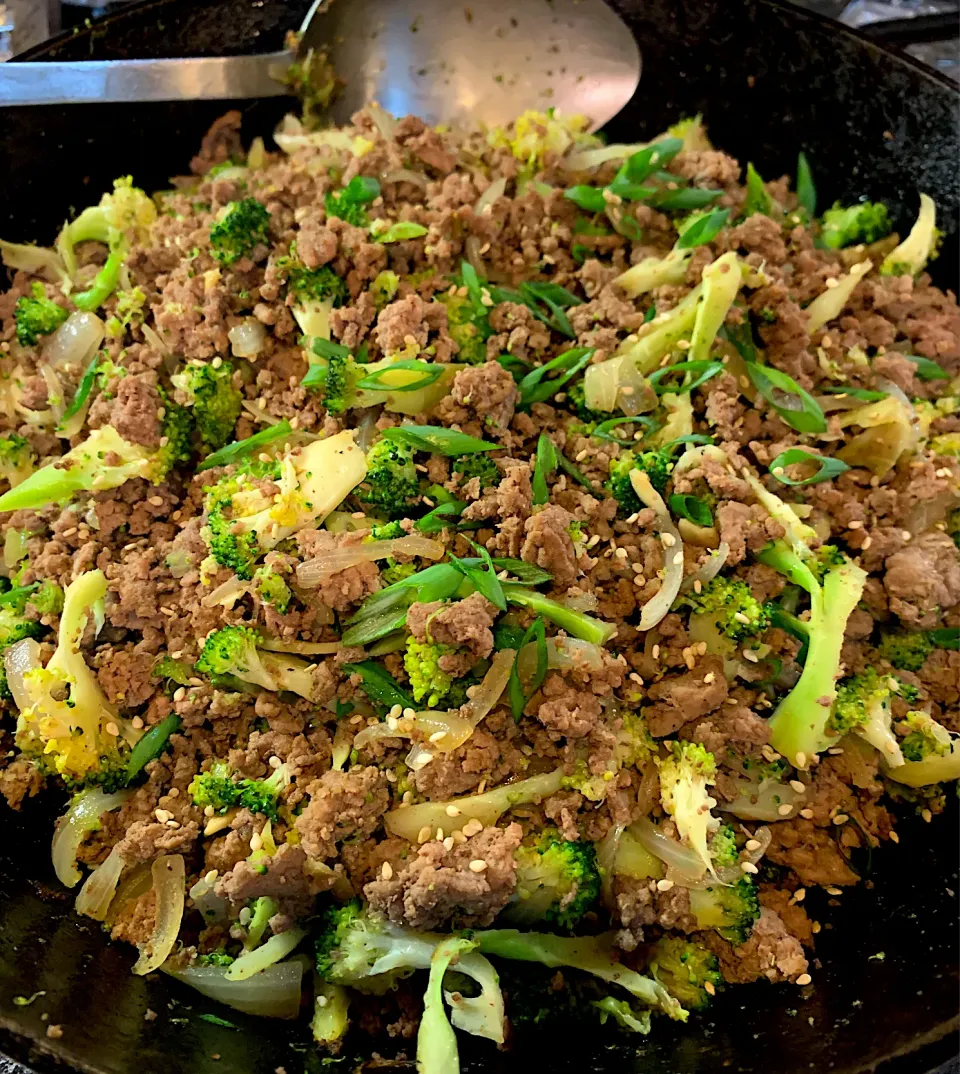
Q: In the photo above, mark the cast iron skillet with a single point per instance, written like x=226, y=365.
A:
x=770, y=81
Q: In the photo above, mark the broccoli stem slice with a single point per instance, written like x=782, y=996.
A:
x=591, y=954
x=799, y=726
x=436, y=1041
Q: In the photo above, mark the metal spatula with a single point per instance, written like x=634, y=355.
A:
x=444, y=60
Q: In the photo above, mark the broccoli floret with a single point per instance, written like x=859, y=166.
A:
x=731, y=909
x=215, y=958
x=232, y=652
x=349, y=203
x=397, y=572
x=240, y=227
x=384, y=288
x=422, y=663
x=392, y=484
x=685, y=774
x=213, y=400
x=316, y=292
x=388, y=531
x=13, y=628
x=862, y=705
x=633, y=747
x=478, y=465
x=127, y=311
x=723, y=846
x=850, y=225
x=468, y=324
x=731, y=606
x=69, y=719
x=557, y=882
x=85, y=468
x=907, y=650
x=225, y=503
x=272, y=589
x=655, y=464
x=947, y=444
x=577, y=402
x=689, y=972
x=36, y=316
x=173, y=671
x=217, y=789
x=922, y=736
x=16, y=459
x=48, y=599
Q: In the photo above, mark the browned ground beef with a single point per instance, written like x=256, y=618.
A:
x=608, y=716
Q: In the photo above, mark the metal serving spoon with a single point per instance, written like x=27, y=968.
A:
x=443, y=60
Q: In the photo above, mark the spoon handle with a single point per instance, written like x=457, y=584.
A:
x=103, y=81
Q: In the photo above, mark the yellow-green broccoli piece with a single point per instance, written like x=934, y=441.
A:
x=212, y=399
x=729, y=603
x=558, y=881
x=36, y=316
x=240, y=227
x=16, y=459
x=428, y=681
x=689, y=972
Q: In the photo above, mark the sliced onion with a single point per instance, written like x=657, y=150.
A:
x=684, y=861
x=55, y=393
x=709, y=569
x=633, y=860
x=581, y=160
x=135, y=883
x=561, y=653
x=366, y=431
x=606, y=857
x=100, y=887
x=495, y=190
x=36, y=260
x=169, y=876
x=154, y=340
x=762, y=801
x=342, y=747
x=658, y=606
x=305, y=648
x=83, y=816
x=311, y=572
x=75, y=342
x=226, y=594
x=459, y=725
x=582, y=602
x=14, y=547
x=18, y=659
x=274, y=993
x=211, y=906
x=259, y=415
x=248, y=338
x=405, y=175
x=382, y=120
x=264, y=956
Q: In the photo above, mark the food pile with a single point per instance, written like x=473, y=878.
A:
x=495, y=553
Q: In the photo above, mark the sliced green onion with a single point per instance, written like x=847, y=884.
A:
x=588, y=198
x=795, y=406
x=431, y=374
x=435, y=439
x=84, y=388
x=927, y=369
x=534, y=388
x=519, y=697
x=404, y=229
x=806, y=190
x=701, y=371
x=703, y=230
x=239, y=449
x=326, y=348
x=692, y=508
x=604, y=430
x=855, y=393
x=151, y=745
x=379, y=685
x=679, y=200
x=545, y=468
x=484, y=579
x=827, y=468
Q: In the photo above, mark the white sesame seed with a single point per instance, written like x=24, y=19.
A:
x=668, y=539
x=425, y=757
x=785, y=810
x=800, y=894
x=386, y=872
x=112, y=729
x=452, y=811
x=211, y=876
x=752, y=844
x=137, y=723
x=804, y=979
x=439, y=835
x=274, y=762
x=709, y=677
x=709, y=988
x=834, y=891
x=840, y=818
x=478, y=865
x=438, y=735
x=801, y=760
x=655, y=652
x=664, y=885
x=927, y=815
x=678, y=558
x=799, y=787
x=749, y=867
x=180, y=693
x=256, y=843
x=409, y=713
x=208, y=811
x=472, y=827
x=741, y=618
x=894, y=838
x=424, y=834
x=807, y=814
x=322, y=1001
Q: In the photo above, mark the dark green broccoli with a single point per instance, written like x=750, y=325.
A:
x=392, y=484
x=557, y=882
x=315, y=292
x=177, y=672
x=215, y=958
x=689, y=972
x=213, y=400
x=731, y=909
x=238, y=552
x=13, y=628
x=48, y=599
x=388, y=531
x=657, y=465
x=36, y=316
x=477, y=465
x=854, y=224
x=730, y=604
x=908, y=650
x=240, y=227
x=232, y=652
x=349, y=203
x=216, y=788
x=16, y=459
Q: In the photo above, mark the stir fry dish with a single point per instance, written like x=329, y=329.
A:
x=462, y=579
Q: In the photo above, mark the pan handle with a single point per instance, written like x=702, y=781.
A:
x=920, y=30
x=109, y=81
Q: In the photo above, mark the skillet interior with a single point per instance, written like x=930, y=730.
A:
x=770, y=80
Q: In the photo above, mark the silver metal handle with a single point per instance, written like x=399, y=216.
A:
x=108, y=81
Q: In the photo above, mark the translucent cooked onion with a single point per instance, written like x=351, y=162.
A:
x=248, y=338
x=14, y=547
x=405, y=175
x=582, y=160
x=211, y=906
x=100, y=887
x=313, y=571
x=83, y=816
x=18, y=659
x=55, y=393
x=375, y=731
x=366, y=432
x=561, y=653
x=169, y=876
x=708, y=570
x=633, y=860
x=495, y=190
x=762, y=801
x=259, y=415
x=154, y=340
x=658, y=606
x=135, y=883
x=582, y=602
x=382, y=120
x=75, y=342
x=264, y=956
x=304, y=648
x=274, y=993
x=684, y=861
x=36, y=260
x=459, y=725
x=226, y=594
